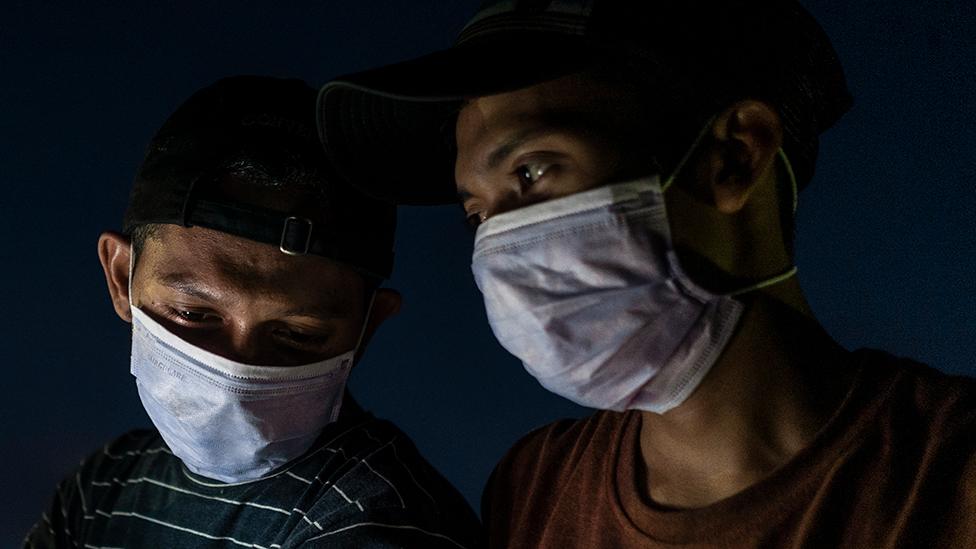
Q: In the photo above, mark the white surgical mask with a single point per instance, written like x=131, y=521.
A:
x=587, y=291
x=226, y=420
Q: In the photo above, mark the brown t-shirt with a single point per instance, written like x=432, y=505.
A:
x=894, y=467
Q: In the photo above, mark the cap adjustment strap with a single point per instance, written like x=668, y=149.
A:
x=296, y=236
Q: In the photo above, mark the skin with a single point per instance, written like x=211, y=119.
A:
x=780, y=377
x=243, y=300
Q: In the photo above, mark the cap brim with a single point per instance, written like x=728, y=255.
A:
x=390, y=131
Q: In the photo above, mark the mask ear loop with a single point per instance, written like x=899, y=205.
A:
x=355, y=355
x=788, y=166
x=780, y=153
x=132, y=263
x=687, y=156
x=362, y=329
x=794, y=188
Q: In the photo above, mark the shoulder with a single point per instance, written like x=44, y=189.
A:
x=925, y=416
x=371, y=483
x=130, y=445
x=546, y=460
x=123, y=455
x=562, y=444
x=134, y=454
x=380, y=464
x=99, y=478
x=919, y=393
x=391, y=528
x=924, y=430
x=123, y=461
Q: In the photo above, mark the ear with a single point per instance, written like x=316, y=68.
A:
x=386, y=303
x=113, y=252
x=747, y=136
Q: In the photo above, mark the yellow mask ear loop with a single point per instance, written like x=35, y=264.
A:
x=765, y=283
x=687, y=156
x=792, y=270
x=794, y=188
x=780, y=153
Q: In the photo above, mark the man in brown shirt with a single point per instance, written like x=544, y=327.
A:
x=633, y=170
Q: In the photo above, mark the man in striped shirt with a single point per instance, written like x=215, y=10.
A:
x=251, y=277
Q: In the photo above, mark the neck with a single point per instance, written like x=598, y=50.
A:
x=775, y=385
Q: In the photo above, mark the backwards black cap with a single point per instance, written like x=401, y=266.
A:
x=704, y=53
x=234, y=125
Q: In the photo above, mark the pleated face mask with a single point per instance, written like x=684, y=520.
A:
x=229, y=421
x=587, y=291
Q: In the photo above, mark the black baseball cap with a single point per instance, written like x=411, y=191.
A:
x=704, y=54
x=241, y=122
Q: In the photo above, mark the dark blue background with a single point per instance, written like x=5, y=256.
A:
x=886, y=237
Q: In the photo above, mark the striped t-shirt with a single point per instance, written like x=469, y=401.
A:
x=364, y=484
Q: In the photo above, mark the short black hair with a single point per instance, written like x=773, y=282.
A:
x=138, y=238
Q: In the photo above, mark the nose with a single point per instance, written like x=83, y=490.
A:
x=239, y=341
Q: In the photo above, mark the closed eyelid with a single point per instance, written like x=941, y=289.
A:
x=464, y=202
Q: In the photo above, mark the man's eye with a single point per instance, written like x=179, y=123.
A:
x=531, y=172
x=300, y=338
x=193, y=317
x=473, y=220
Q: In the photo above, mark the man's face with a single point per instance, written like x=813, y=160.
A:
x=543, y=142
x=247, y=301
x=575, y=133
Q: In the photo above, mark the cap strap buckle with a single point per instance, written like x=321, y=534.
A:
x=296, y=236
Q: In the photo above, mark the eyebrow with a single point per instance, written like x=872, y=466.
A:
x=186, y=282
x=183, y=284
x=342, y=311
x=553, y=122
x=500, y=153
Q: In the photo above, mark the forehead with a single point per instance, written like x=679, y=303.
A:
x=242, y=266
x=576, y=100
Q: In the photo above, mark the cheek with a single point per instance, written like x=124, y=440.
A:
x=145, y=296
x=598, y=164
x=688, y=220
x=345, y=339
